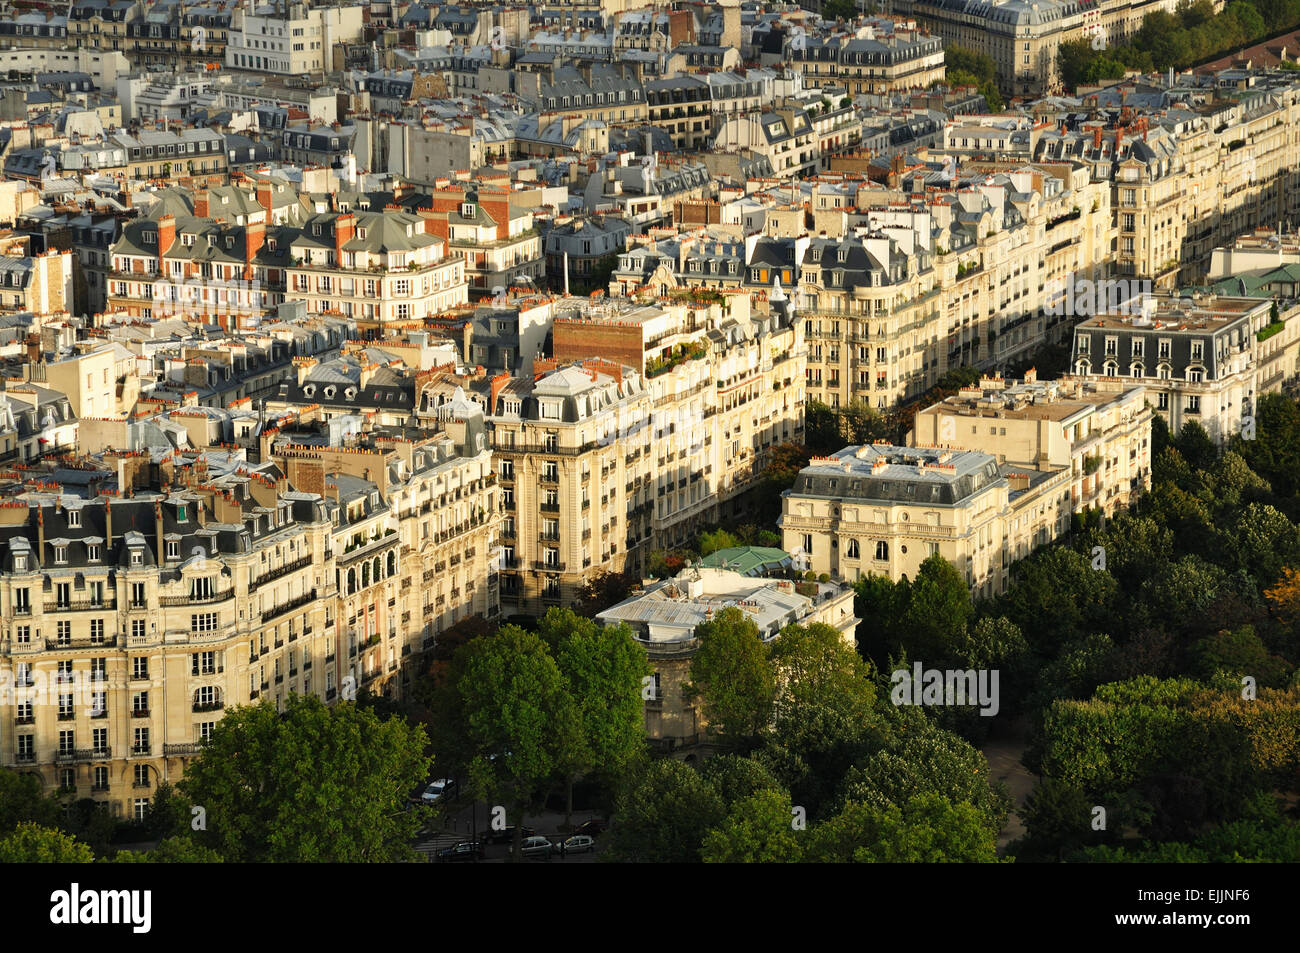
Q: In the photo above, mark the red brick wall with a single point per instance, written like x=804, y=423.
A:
x=579, y=340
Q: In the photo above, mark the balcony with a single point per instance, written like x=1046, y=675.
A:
x=548, y=566
x=207, y=706
x=182, y=750
x=175, y=601
x=80, y=605
x=549, y=507
x=279, y=573
x=142, y=750
x=285, y=607
x=25, y=757
x=91, y=642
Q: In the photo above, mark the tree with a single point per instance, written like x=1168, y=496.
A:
x=712, y=541
x=172, y=850
x=938, y=608
x=507, y=714
x=822, y=428
x=824, y=713
x=1195, y=446
x=1056, y=595
x=605, y=669
x=1058, y=821
x=924, y=759
x=30, y=843
x=605, y=589
x=1239, y=652
x=779, y=475
x=758, y=829
x=735, y=777
x=731, y=676
x=22, y=799
x=928, y=829
x=663, y=814
x=309, y=784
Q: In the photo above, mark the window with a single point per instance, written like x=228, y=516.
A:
x=1193, y=405
x=63, y=632
x=74, y=518
x=851, y=549
x=138, y=598
x=1162, y=401
x=140, y=703
x=203, y=587
x=23, y=634
x=60, y=554
x=67, y=741
x=26, y=747
x=66, y=710
x=101, y=777
x=140, y=744
x=203, y=622
x=203, y=663
x=205, y=730
x=92, y=552
x=173, y=549
x=882, y=549
x=807, y=543
x=140, y=807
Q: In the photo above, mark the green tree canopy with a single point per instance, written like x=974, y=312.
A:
x=663, y=814
x=309, y=784
x=30, y=843
x=731, y=676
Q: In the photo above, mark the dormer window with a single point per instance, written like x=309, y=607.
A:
x=74, y=518
x=20, y=564
x=466, y=209
x=137, y=558
x=181, y=513
x=92, y=552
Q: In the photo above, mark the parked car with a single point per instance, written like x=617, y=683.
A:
x=579, y=844
x=537, y=847
x=465, y=850
x=592, y=827
x=443, y=787
x=506, y=836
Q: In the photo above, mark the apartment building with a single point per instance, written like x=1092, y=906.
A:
x=132, y=620
x=162, y=154
x=565, y=445
x=292, y=39
x=1102, y=437
x=379, y=268
x=884, y=510
x=499, y=243
x=1203, y=357
x=1022, y=38
x=725, y=387
x=665, y=615
x=879, y=58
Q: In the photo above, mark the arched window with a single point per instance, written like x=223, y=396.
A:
x=352, y=581
x=365, y=575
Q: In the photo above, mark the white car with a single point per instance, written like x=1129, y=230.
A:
x=579, y=844
x=438, y=790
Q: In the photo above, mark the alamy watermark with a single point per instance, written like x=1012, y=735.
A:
x=1083, y=297
x=932, y=686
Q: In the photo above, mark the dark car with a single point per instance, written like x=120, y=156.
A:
x=506, y=836
x=592, y=827
x=465, y=850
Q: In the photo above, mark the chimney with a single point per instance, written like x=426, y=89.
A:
x=158, y=531
x=201, y=204
x=254, y=238
x=264, y=198
x=108, y=525
x=498, y=384
x=166, y=235
x=40, y=534
x=344, y=226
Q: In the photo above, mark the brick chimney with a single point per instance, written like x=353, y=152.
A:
x=264, y=194
x=166, y=236
x=254, y=238
x=344, y=226
x=498, y=384
x=201, y=204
